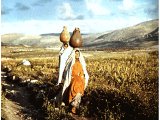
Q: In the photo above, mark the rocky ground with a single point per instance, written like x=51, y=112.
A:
x=15, y=101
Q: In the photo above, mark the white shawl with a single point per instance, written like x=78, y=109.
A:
x=63, y=56
x=68, y=70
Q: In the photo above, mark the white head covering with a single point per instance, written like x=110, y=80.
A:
x=68, y=69
x=63, y=56
x=26, y=62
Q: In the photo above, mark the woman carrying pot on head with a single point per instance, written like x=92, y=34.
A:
x=75, y=80
x=64, y=53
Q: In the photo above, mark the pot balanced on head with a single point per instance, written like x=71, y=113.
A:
x=65, y=36
x=76, y=39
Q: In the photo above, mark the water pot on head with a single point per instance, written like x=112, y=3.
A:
x=76, y=38
x=65, y=36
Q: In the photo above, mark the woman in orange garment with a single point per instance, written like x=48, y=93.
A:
x=77, y=84
x=76, y=79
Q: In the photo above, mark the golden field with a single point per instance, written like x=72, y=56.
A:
x=122, y=85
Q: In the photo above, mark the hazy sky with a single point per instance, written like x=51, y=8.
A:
x=48, y=16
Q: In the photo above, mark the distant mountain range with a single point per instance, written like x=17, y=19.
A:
x=143, y=35
x=31, y=40
x=58, y=34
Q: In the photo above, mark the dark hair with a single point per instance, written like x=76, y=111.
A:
x=65, y=44
x=76, y=50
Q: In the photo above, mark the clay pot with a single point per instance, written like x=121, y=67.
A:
x=64, y=36
x=76, y=39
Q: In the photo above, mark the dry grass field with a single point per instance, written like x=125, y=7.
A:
x=122, y=84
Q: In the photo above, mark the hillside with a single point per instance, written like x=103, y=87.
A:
x=31, y=40
x=143, y=35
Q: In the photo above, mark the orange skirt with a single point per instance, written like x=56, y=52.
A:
x=76, y=86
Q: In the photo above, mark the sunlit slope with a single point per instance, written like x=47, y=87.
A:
x=142, y=35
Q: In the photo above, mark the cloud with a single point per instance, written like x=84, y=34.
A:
x=127, y=5
x=65, y=12
x=133, y=8
x=41, y=2
x=5, y=11
x=56, y=26
x=152, y=11
x=95, y=7
x=39, y=26
x=76, y=0
x=80, y=17
x=21, y=7
x=115, y=0
x=28, y=27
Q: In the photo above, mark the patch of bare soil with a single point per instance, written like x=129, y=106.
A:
x=15, y=102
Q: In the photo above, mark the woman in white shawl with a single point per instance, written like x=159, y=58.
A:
x=64, y=53
x=75, y=79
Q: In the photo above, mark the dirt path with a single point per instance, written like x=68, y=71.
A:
x=15, y=102
x=12, y=111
